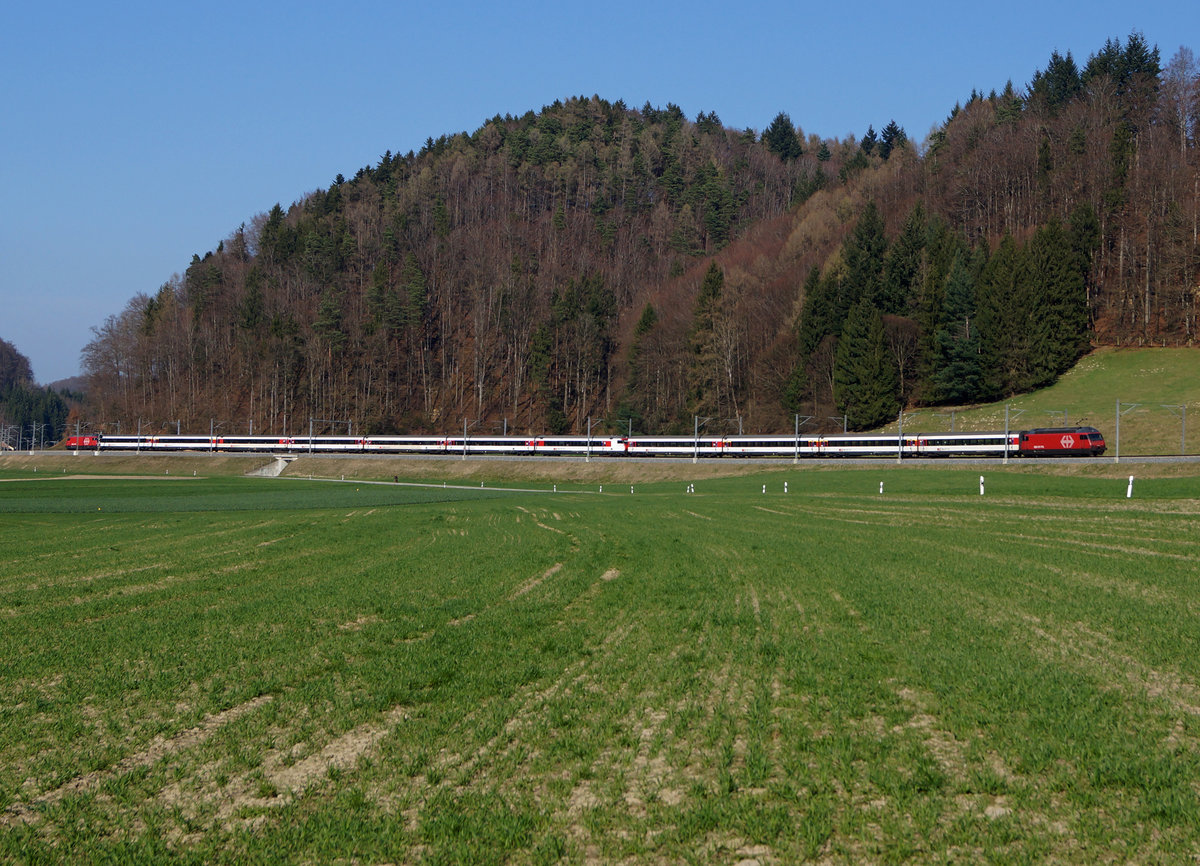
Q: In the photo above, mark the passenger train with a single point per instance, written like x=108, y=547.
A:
x=1042, y=442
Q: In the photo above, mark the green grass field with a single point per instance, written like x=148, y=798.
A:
x=1152, y=385
x=227, y=669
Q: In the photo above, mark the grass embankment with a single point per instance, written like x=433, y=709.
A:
x=1158, y=381
x=566, y=475
x=201, y=671
x=181, y=465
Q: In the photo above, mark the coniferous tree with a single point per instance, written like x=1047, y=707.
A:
x=640, y=397
x=645, y=325
x=864, y=254
x=1057, y=304
x=999, y=317
x=893, y=136
x=867, y=145
x=781, y=139
x=866, y=382
x=1083, y=232
x=959, y=372
x=820, y=315
x=899, y=293
x=1059, y=84
x=942, y=246
x=1009, y=104
x=414, y=298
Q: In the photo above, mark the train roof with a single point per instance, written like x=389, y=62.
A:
x=1063, y=430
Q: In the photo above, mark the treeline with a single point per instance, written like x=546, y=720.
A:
x=929, y=319
x=483, y=278
x=593, y=261
x=29, y=416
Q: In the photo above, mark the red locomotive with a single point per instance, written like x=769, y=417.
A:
x=82, y=443
x=1061, y=442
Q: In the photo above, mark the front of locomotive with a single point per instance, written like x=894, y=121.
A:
x=1096, y=445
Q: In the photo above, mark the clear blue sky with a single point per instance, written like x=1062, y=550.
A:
x=135, y=134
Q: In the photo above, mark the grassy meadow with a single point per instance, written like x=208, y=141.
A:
x=222, y=669
x=1152, y=385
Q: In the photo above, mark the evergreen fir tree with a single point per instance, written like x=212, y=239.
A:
x=867, y=145
x=780, y=138
x=864, y=255
x=999, y=320
x=819, y=314
x=1057, y=304
x=959, y=372
x=902, y=267
x=893, y=136
x=942, y=246
x=866, y=381
x=1059, y=84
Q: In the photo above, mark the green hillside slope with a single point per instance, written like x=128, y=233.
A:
x=1151, y=384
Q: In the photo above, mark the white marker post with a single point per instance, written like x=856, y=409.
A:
x=1129, y=489
x=881, y=488
x=981, y=485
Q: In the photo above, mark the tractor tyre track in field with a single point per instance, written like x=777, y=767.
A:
x=159, y=749
x=281, y=777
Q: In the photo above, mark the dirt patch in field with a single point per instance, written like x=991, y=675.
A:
x=945, y=748
x=282, y=775
x=534, y=583
x=358, y=624
x=158, y=749
x=1097, y=653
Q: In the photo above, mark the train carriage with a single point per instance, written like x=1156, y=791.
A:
x=489, y=445
x=960, y=445
x=771, y=446
x=406, y=444
x=674, y=446
x=860, y=446
x=580, y=445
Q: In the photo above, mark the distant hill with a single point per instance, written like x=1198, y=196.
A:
x=597, y=263
x=74, y=385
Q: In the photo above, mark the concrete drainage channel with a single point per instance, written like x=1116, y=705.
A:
x=273, y=469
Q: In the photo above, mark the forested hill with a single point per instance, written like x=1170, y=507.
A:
x=596, y=261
